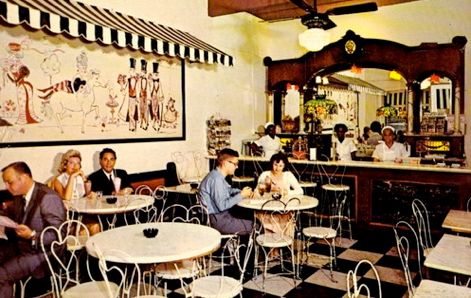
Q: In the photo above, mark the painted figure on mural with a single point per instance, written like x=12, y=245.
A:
x=133, y=79
x=81, y=87
x=143, y=105
x=157, y=98
x=17, y=74
x=24, y=95
x=171, y=114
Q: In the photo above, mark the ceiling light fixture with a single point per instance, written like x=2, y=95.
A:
x=356, y=69
x=394, y=75
x=314, y=39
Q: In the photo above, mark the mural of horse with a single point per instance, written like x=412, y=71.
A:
x=76, y=96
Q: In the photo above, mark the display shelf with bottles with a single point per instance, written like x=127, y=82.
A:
x=434, y=147
x=322, y=142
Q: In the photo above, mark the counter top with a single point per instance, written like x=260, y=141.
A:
x=368, y=164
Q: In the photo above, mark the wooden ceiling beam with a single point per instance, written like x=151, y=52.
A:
x=272, y=10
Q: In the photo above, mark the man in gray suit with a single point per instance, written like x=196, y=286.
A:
x=34, y=207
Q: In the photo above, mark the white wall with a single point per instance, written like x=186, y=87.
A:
x=238, y=92
x=234, y=92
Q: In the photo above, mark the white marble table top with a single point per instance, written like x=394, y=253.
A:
x=184, y=188
x=430, y=288
x=452, y=253
x=174, y=241
x=305, y=202
x=100, y=206
x=458, y=221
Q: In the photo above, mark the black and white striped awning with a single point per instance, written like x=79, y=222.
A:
x=109, y=27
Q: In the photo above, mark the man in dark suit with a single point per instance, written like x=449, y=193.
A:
x=35, y=207
x=102, y=180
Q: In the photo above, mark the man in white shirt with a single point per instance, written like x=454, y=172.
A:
x=389, y=150
x=269, y=143
x=345, y=148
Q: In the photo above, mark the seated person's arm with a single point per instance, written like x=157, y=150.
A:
x=294, y=186
x=126, y=187
x=222, y=197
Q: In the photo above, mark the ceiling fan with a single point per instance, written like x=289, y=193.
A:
x=314, y=19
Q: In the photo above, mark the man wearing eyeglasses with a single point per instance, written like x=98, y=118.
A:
x=221, y=198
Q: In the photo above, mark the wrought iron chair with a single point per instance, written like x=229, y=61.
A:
x=222, y=285
x=276, y=232
x=422, y=221
x=127, y=274
x=352, y=278
x=64, y=265
x=196, y=214
x=327, y=233
x=334, y=193
x=424, y=287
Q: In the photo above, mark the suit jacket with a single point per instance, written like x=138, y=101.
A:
x=101, y=182
x=44, y=209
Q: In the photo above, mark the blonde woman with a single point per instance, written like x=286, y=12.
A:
x=71, y=183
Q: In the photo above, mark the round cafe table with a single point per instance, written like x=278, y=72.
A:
x=305, y=202
x=99, y=206
x=174, y=241
x=124, y=203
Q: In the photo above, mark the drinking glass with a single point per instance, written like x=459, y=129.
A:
x=117, y=184
x=88, y=187
x=261, y=189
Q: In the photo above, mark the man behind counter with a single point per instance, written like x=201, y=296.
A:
x=269, y=144
x=389, y=149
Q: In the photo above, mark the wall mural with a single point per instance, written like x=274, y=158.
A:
x=56, y=91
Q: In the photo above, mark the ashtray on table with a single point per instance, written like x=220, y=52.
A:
x=276, y=196
x=194, y=185
x=150, y=232
x=111, y=200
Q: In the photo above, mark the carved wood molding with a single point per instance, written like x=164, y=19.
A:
x=413, y=63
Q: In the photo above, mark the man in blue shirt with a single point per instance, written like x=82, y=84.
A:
x=221, y=198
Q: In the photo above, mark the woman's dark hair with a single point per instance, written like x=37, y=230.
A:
x=366, y=129
x=277, y=157
x=375, y=126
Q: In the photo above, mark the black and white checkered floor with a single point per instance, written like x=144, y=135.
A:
x=375, y=246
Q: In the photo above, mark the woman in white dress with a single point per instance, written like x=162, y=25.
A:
x=277, y=180
x=71, y=183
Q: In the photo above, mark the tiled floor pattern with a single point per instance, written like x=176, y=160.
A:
x=375, y=246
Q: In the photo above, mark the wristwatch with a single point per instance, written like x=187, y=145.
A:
x=33, y=238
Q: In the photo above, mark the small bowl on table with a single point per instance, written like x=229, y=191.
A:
x=111, y=200
x=150, y=232
x=194, y=185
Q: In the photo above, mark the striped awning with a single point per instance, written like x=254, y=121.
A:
x=109, y=27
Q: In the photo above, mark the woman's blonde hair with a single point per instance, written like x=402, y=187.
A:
x=65, y=158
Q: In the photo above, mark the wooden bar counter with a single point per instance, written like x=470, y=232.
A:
x=382, y=192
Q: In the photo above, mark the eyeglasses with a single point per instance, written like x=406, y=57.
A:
x=236, y=164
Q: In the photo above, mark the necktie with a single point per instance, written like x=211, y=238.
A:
x=21, y=211
x=111, y=187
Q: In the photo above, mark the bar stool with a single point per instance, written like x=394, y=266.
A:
x=334, y=192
